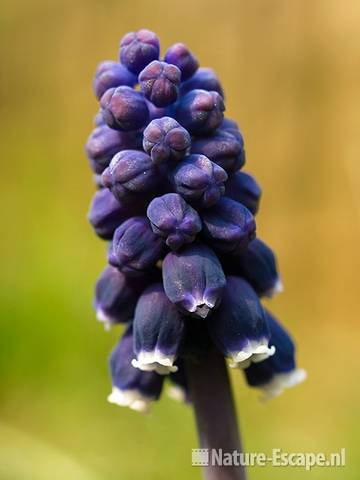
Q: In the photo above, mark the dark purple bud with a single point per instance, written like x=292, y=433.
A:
x=104, y=143
x=243, y=188
x=160, y=82
x=137, y=49
x=203, y=79
x=165, y=139
x=124, y=109
x=200, y=112
x=131, y=387
x=239, y=328
x=116, y=296
x=158, y=331
x=107, y=213
x=199, y=180
x=130, y=172
x=181, y=56
x=111, y=74
x=257, y=264
x=99, y=119
x=193, y=279
x=222, y=148
x=135, y=248
x=173, y=219
x=228, y=225
x=279, y=371
x=232, y=127
x=155, y=112
x=179, y=389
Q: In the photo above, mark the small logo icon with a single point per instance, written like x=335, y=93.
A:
x=200, y=457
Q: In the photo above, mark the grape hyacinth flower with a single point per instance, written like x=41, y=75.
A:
x=172, y=218
x=166, y=140
x=158, y=331
x=132, y=387
x=185, y=273
x=111, y=74
x=199, y=180
x=279, y=371
x=159, y=82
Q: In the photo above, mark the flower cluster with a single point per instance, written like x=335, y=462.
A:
x=184, y=266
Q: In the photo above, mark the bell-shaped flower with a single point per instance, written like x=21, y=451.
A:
x=239, y=327
x=132, y=387
x=278, y=372
x=158, y=331
x=116, y=296
x=193, y=279
x=257, y=264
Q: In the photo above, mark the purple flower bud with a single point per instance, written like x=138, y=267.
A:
x=155, y=112
x=104, y=143
x=158, y=331
x=130, y=172
x=222, y=148
x=239, y=327
x=160, y=82
x=111, y=74
x=228, y=225
x=135, y=248
x=199, y=180
x=165, y=139
x=124, y=109
x=257, y=264
x=131, y=387
x=99, y=119
x=203, y=79
x=200, y=111
x=279, y=371
x=172, y=218
x=107, y=213
x=193, y=279
x=179, y=55
x=243, y=188
x=230, y=126
x=137, y=49
x=116, y=296
x=179, y=388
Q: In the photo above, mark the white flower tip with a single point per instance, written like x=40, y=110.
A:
x=277, y=288
x=130, y=398
x=280, y=382
x=103, y=318
x=177, y=393
x=255, y=351
x=155, y=361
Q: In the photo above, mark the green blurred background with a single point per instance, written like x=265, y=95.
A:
x=291, y=72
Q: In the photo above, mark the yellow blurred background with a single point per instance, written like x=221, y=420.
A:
x=291, y=72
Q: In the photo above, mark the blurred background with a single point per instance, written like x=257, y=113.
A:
x=291, y=73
